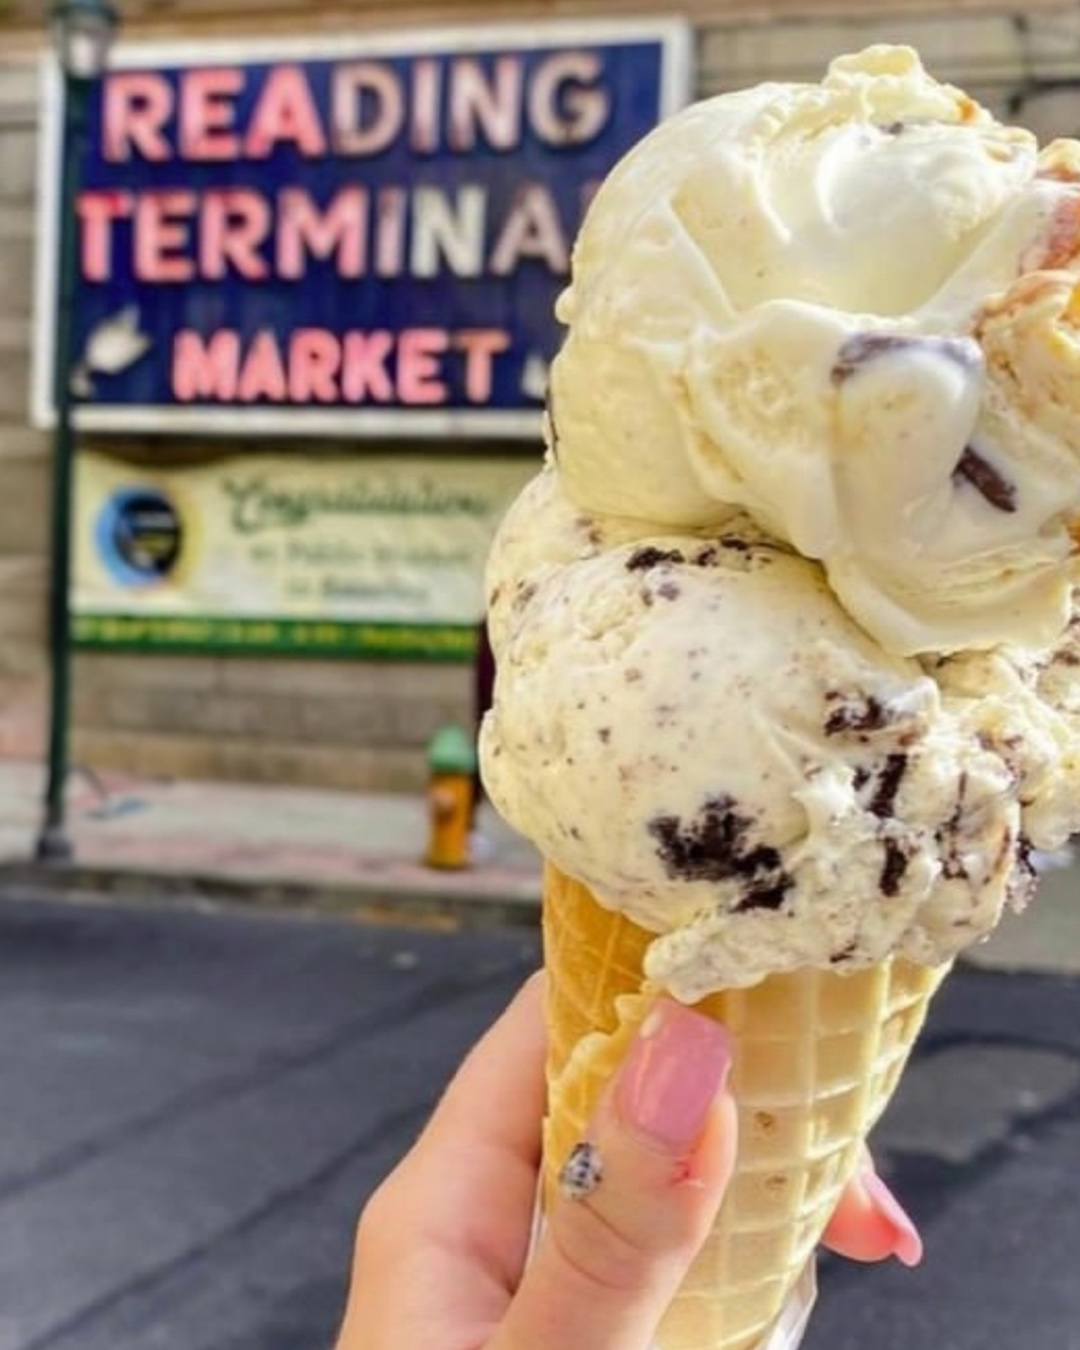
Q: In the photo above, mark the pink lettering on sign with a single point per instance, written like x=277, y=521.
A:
x=532, y=229
x=206, y=368
x=568, y=104
x=263, y=372
x=286, y=114
x=98, y=212
x=485, y=108
x=208, y=114
x=315, y=365
x=426, y=105
x=236, y=223
x=136, y=109
x=419, y=366
x=365, y=376
x=360, y=84
x=480, y=346
x=221, y=113
x=314, y=362
x=163, y=236
x=391, y=215
x=447, y=233
x=305, y=231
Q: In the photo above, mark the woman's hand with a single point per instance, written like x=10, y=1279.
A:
x=441, y=1245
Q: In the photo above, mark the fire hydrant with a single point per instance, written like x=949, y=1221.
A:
x=451, y=792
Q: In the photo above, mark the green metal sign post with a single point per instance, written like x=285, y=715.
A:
x=83, y=30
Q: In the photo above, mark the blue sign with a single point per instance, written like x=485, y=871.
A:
x=347, y=237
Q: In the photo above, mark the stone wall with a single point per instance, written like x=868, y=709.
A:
x=362, y=724
x=24, y=465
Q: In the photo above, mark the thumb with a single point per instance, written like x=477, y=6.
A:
x=610, y=1261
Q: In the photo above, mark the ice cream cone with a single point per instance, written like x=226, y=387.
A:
x=818, y=1056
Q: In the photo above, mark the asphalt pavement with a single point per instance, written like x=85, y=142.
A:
x=194, y=1106
x=194, y=1103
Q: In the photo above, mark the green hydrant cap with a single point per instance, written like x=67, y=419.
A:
x=452, y=750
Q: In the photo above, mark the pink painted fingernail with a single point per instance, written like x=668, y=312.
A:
x=674, y=1070
x=907, y=1244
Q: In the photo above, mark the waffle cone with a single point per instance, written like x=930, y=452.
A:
x=818, y=1055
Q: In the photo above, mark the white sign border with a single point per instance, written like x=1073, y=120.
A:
x=676, y=37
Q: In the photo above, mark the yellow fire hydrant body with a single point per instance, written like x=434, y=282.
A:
x=451, y=792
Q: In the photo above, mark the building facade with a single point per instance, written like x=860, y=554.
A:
x=310, y=714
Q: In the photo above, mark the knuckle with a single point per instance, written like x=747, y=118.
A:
x=596, y=1253
x=377, y=1223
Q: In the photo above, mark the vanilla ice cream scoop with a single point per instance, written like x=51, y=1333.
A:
x=853, y=310
x=1024, y=703
x=695, y=728
x=543, y=531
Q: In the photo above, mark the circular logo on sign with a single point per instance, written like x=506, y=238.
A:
x=140, y=536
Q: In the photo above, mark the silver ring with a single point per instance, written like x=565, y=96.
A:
x=582, y=1172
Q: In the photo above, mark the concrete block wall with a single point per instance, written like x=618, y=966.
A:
x=337, y=724
x=351, y=724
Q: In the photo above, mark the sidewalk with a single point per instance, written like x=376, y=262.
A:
x=353, y=854
x=348, y=852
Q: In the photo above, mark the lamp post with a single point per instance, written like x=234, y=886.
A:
x=83, y=31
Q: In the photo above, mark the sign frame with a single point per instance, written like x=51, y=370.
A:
x=329, y=555
x=674, y=35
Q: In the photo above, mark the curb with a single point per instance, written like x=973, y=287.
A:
x=430, y=904
x=382, y=900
